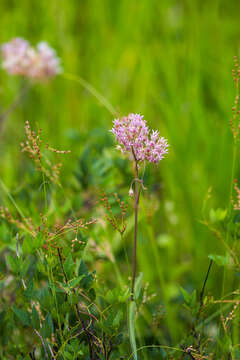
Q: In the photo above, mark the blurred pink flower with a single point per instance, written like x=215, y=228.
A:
x=19, y=58
x=15, y=55
x=135, y=138
x=45, y=63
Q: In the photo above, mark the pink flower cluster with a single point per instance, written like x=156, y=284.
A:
x=19, y=58
x=135, y=138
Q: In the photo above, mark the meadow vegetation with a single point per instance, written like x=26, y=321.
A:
x=108, y=254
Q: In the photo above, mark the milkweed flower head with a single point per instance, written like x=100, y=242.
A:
x=135, y=138
x=19, y=58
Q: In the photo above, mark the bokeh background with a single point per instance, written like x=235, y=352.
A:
x=172, y=62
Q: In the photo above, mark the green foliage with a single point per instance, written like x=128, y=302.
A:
x=69, y=266
x=13, y=262
x=217, y=215
x=171, y=61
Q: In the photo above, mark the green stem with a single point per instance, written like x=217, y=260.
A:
x=232, y=176
x=45, y=191
x=230, y=208
x=132, y=305
x=136, y=206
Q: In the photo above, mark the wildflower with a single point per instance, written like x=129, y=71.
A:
x=16, y=56
x=131, y=192
x=19, y=58
x=45, y=63
x=135, y=138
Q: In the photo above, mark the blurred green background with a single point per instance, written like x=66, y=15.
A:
x=168, y=60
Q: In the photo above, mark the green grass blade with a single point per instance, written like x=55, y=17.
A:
x=131, y=323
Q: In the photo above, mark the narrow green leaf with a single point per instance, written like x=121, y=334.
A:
x=50, y=322
x=138, y=285
x=35, y=319
x=69, y=266
x=24, y=267
x=68, y=355
x=131, y=323
x=186, y=295
x=47, y=327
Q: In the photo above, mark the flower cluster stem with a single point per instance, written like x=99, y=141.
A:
x=136, y=207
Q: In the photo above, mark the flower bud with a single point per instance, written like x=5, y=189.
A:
x=131, y=192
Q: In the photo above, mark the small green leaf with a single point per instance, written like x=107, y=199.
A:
x=22, y=315
x=92, y=294
x=82, y=270
x=87, y=281
x=193, y=298
x=117, y=319
x=138, y=285
x=50, y=322
x=186, y=295
x=24, y=267
x=13, y=263
x=45, y=298
x=75, y=281
x=67, y=355
x=217, y=215
x=29, y=290
x=31, y=244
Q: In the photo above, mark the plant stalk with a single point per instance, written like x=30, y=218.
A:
x=136, y=206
